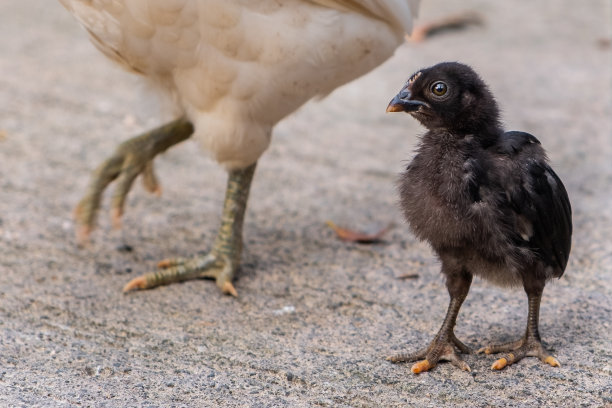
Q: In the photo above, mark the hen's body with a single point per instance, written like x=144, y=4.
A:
x=233, y=69
x=236, y=68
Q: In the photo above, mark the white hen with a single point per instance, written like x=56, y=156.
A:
x=234, y=68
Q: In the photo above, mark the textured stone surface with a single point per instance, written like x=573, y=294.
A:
x=316, y=316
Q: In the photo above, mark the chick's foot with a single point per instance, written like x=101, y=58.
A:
x=530, y=345
x=517, y=350
x=131, y=158
x=440, y=349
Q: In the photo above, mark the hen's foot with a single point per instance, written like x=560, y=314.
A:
x=439, y=350
x=213, y=265
x=223, y=260
x=517, y=350
x=131, y=158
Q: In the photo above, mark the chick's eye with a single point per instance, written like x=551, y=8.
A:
x=439, y=89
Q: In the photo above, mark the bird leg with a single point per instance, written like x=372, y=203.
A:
x=530, y=345
x=222, y=261
x=131, y=158
x=445, y=345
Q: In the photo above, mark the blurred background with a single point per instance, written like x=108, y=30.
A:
x=316, y=316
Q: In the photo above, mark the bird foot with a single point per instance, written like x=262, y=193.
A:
x=131, y=158
x=438, y=350
x=215, y=266
x=222, y=261
x=517, y=350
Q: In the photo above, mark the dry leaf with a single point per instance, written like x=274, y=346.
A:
x=346, y=234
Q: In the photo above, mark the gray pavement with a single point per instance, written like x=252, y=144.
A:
x=316, y=316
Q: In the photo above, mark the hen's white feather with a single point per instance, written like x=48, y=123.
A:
x=237, y=67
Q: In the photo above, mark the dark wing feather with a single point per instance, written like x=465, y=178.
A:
x=553, y=226
x=513, y=142
x=538, y=195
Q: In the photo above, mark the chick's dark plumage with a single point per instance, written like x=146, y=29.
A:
x=487, y=202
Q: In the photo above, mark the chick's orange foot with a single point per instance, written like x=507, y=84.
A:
x=131, y=158
x=517, y=350
x=530, y=345
x=439, y=350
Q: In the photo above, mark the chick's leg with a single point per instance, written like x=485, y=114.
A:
x=445, y=345
x=131, y=158
x=222, y=261
x=530, y=345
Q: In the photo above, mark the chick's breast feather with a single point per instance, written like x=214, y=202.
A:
x=237, y=67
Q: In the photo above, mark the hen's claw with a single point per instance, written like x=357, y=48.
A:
x=130, y=159
x=149, y=179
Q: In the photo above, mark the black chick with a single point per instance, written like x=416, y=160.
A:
x=487, y=202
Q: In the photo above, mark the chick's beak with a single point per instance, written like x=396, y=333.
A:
x=402, y=103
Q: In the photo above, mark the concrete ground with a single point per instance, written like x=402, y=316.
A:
x=316, y=316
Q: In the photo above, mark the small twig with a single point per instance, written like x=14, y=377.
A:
x=408, y=276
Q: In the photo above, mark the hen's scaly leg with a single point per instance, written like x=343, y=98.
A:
x=530, y=345
x=222, y=261
x=444, y=345
x=131, y=158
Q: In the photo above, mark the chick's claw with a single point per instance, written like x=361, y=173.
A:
x=421, y=366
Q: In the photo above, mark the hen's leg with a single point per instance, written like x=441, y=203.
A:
x=445, y=345
x=222, y=261
x=530, y=345
x=131, y=158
